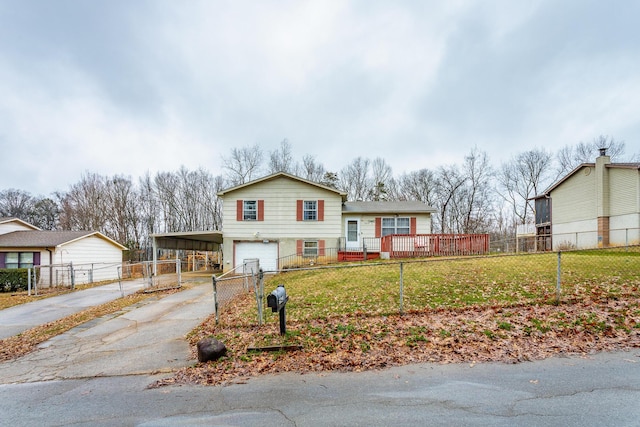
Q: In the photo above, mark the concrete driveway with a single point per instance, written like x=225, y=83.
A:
x=19, y=318
x=146, y=338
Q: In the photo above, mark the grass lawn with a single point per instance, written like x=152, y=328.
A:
x=463, y=310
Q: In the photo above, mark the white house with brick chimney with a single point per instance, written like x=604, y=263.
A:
x=595, y=205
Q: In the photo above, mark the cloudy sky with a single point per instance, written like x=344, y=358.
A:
x=126, y=87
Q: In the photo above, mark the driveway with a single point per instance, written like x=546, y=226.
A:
x=19, y=318
x=145, y=338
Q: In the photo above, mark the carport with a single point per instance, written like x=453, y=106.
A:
x=186, y=240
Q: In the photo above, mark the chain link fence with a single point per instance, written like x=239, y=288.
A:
x=388, y=288
x=70, y=275
x=167, y=273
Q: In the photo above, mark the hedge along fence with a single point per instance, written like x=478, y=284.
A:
x=14, y=279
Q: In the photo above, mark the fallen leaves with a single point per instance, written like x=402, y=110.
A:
x=471, y=335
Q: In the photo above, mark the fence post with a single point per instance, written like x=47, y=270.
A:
x=261, y=294
x=29, y=281
x=73, y=276
x=120, y=281
x=401, y=288
x=558, y=277
x=215, y=297
x=35, y=281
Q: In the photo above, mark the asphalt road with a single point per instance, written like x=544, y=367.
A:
x=97, y=374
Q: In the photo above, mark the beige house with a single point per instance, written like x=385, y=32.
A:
x=93, y=256
x=282, y=216
x=595, y=205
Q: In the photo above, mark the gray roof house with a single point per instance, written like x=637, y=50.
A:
x=94, y=256
x=282, y=217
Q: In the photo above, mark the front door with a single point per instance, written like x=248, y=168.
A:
x=353, y=234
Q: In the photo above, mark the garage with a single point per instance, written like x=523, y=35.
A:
x=267, y=253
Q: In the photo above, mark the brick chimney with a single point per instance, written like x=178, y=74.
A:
x=602, y=197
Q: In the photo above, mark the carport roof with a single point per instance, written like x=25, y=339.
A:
x=189, y=240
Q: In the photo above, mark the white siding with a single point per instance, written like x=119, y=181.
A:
x=9, y=227
x=624, y=191
x=91, y=256
x=575, y=199
x=280, y=196
x=368, y=223
x=576, y=234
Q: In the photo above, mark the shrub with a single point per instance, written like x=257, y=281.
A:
x=14, y=279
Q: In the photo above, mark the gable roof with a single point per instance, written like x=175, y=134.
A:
x=400, y=207
x=48, y=239
x=555, y=185
x=283, y=175
x=8, y=219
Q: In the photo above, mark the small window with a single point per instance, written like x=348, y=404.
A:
x=12, y=260
x=310, y=248
x=396, y=226
x=310, y=211
x=388, y=226
x=403, y=226
x=19, y=260
x=250, y=210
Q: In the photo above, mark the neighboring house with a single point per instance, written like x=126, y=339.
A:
x=94, y=256
x=282, y=215
x=595, y=205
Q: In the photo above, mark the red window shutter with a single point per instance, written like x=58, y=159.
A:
x=299, y=210
x=260, y=210
x=321, y=247
x=239, y=205
x=378, y=227
x=299, y=249
x=320, y=210
x=413, y=225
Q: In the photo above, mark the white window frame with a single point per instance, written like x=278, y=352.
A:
x=310, y=210
x=250, y=210
x=390, y=225
x=310, y=248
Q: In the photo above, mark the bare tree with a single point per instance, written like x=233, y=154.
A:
x=570, y=157
x=354, y=179
x=243, y=164
x=380, y=181
x=15, y=203
x=122, y=211
x=281, y=159
x=311, y=170
x=418, y=185
x=475, y=203
x=83, y=206
x=523, y=177
x=449, y=182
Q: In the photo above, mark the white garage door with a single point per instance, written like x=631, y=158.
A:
x=267, y=253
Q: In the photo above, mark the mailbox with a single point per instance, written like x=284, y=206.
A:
x=277, y=299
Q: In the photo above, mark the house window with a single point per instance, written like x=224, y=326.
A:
x=250, y=210
x=396, y=226
x=310, y=248
x=19, y=260
x=310, y=212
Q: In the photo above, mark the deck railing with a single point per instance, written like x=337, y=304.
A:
x=422, y=245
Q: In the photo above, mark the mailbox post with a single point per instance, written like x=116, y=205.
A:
x=277, y=300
